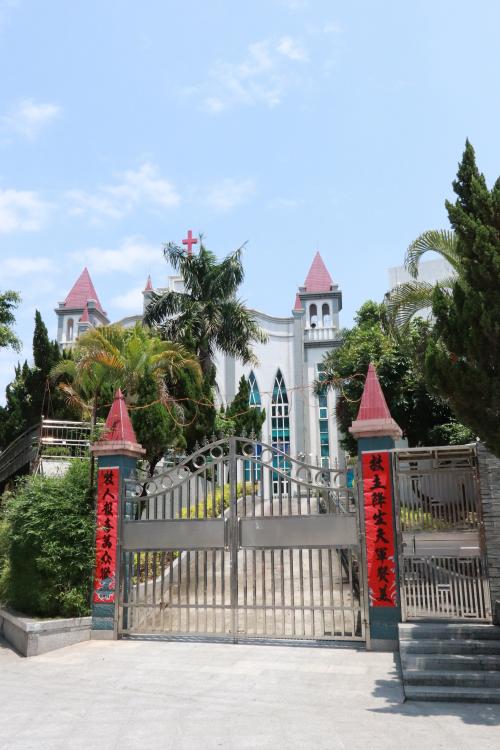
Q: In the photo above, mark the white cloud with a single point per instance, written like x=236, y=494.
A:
x=263, y=76
x=130, y=301
x=132, y=256
x=22, y=211
x=15, y=268
x=285, y=203
x=114, y=201
x=225, y=195
x=292, y=49
x=27, y=117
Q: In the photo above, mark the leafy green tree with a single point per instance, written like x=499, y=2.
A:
x=29, y=396
x=463, y=355
x=417, y=411
x=111, y=357
x=9, y=301
x=246, y=419
x=157, y=427
x=197, y=401
x=14, y=415
x=47, y=528
x=207, y=315
x=46, y=353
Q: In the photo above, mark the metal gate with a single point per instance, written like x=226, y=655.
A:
x=442, y=563
x=241, y=540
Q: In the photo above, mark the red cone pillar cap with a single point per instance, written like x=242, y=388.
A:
x=374, y=418
x=118, y=436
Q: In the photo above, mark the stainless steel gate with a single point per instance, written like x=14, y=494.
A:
x=442, y=565
x=241, y=540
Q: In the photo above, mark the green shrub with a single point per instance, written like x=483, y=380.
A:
x=47, y=530
x=197, y=510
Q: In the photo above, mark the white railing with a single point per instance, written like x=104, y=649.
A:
x=320, y=333
x=52, y=439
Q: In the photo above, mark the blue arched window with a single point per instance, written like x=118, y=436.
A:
x=254, y=399
x=252, y=471
x=280, y=429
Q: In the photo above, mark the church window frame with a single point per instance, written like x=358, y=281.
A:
x=253, y=470
x=70, y=329
x=280, y=433
x=326, y=318
x=313, y=315
x=323, y=422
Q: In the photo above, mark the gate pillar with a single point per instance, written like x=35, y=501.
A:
x=117, y=452
x=376, y=433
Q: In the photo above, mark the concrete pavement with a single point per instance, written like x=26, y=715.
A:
x=162, y=694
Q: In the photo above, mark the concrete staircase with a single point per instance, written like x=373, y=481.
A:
x=450, y=662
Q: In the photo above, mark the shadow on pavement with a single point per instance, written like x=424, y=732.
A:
x=486, y=714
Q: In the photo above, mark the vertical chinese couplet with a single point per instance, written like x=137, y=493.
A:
x=380, y=553
x=106, y=535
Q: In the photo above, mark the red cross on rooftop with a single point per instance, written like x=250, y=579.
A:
x=189, y=241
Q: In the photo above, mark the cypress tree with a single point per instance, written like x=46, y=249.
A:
x=246, y=419
x=46, y=353
x=463, y=356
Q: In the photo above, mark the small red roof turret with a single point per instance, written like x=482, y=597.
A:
x=85, y=315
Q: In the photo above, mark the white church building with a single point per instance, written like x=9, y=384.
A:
x=297, y=421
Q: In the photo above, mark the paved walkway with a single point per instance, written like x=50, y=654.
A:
x=156, y=694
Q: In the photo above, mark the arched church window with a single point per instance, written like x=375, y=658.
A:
x=254, y=398
x=69, y=330
x=325, y=314
x=280, y=431
x=313, y=316
x=253, y=469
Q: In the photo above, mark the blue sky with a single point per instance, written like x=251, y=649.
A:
x=289, y=124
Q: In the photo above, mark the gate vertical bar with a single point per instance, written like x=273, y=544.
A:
x=233, y=536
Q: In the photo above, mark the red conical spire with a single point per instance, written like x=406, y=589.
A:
x=81, y=292
x=118, y=424
x=374, y=417
x=318, y=279
x=149, y=285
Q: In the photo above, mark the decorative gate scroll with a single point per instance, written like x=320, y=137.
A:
x=242, y=540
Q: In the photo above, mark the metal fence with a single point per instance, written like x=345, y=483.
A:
x=442, y=562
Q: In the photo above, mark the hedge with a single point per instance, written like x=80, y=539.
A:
x=47, y=544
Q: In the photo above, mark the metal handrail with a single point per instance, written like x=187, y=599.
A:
x=28, y=448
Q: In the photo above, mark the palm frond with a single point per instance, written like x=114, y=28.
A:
x=75, y=400
x=405, y=301
x=164, y=305
x=441, y=241
x=64, y=368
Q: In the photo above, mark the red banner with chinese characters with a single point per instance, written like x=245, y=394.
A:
x=379, y=523
x=108, y=485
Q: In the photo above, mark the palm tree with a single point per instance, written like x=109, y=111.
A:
x=411, y=297
x=206, y=316
x=111, y=357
